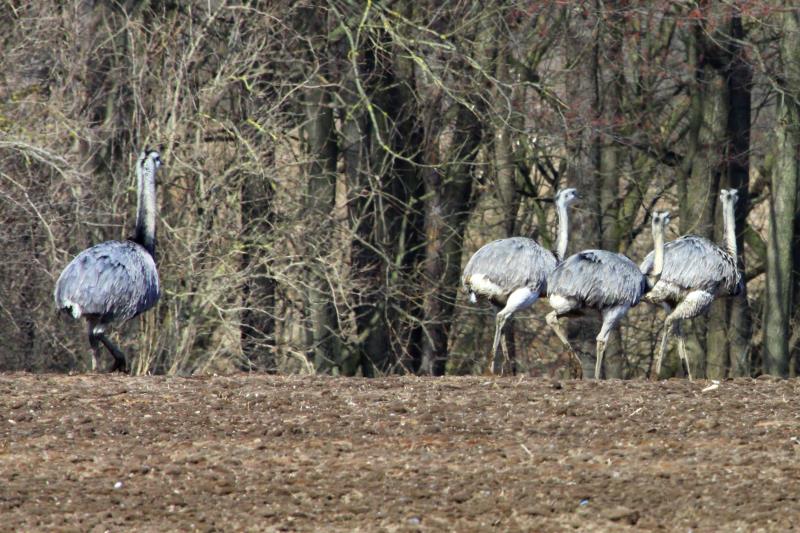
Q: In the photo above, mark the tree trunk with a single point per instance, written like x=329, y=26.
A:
x=783, y=205
x=322, y=329
x=384, y=197
x=505, y=169
x=608, y=87
x=257, y=327
x=783, y=198
x=448, y=190
x=583, y=157
x=363, y=205
x=406, y=230
x=738, y=80
x=698, y=188
x=368, y=168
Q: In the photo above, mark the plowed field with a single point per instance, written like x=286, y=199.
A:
x=265, y=453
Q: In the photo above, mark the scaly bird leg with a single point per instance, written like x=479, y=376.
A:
x=506, y=360
x=611, y=319
x=664, y=339
x=577, y=367
x=500, y=321
x=682, y=350
x=598, y=365
x=95, y=344
x=120, y=364
x=694, y=304
x=521, y=298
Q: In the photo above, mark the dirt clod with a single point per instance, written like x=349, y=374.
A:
x=622, y=514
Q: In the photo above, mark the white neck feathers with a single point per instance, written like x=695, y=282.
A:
x=729, y=228
x=658, y=253
x=146, y=204
x=563, y=231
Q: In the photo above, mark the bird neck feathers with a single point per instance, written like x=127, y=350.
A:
x=146, y=206
x=729, y=228
x=563, y=231
x=658, y=256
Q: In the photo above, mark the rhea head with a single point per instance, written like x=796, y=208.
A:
x=729, y=195
x=567, y=197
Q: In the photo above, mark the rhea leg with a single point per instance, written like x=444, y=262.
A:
x=517, y=300
x=504, y=347
x=694, y=304
x=611, y=318
x=682, y=349
x=664, y=339
x=97, y=335
x=656, y=368
x=95, y=344
x=499, y=322
x=119, y=364
x=552, y=321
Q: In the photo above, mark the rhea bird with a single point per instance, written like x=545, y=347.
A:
x=512, y=273
x=696, y=271
x=605, y=281
x=115, y=281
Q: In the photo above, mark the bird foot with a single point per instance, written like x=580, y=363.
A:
x=488, y=370
x=119, y=366
x=576, y=369
x=653, y=376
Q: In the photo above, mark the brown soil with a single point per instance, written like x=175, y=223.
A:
x=101, y=452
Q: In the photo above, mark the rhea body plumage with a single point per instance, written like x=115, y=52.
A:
x=696, y=272
x=605, y=281
x=512, y=273
x=115, y=281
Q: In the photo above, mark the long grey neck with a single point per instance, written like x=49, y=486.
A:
x=729, y=228
x=658, y=257
x=146, y=207
x=563, y=231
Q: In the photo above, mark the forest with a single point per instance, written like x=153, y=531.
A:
x=330, y=167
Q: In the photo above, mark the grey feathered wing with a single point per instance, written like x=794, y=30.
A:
x=115, y=280
x=695, y=263
x=510, y=263
x=598, y=279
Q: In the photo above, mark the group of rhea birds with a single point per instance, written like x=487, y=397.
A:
x=683, y=276
x=115, y=281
